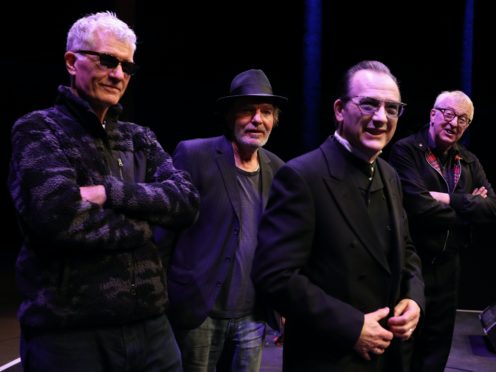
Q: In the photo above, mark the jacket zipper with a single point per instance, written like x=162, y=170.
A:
x=447, y=232
x=444, y=247
x=121, y=165
x=438, y=172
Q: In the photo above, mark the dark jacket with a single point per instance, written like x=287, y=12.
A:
x=204, y=252
x=82, y=264
x=439, y=228
x=320, y=263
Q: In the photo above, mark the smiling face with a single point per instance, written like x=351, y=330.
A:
x=101, y=86
x=445, y=133
x=368, y=133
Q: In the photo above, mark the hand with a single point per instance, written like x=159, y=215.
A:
x=405, y=319
x=481, y=191
x=373, y=338
x=441, y=197
x=94, y=194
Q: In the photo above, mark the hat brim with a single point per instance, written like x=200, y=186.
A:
x=279, y=101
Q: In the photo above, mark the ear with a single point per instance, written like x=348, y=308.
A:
x=433, y=114
x=70, y=62
x=338, y=110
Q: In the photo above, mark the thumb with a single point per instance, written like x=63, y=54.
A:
x=381, y=313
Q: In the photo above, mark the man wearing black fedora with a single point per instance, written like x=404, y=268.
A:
x=213, y=312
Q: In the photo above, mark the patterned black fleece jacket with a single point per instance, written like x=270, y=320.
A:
x=82, y=264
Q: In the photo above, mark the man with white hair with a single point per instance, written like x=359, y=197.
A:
x=88, y=188
x=446, y=192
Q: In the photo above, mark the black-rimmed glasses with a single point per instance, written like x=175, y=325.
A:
x=111, y=62
x=449, y=114
x=368, y=106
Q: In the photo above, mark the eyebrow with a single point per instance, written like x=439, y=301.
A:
x=456, y=112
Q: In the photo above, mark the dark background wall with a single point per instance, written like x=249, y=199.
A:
x=189, y=53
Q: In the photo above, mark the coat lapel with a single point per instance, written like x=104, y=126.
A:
x=267, y=175
x=349, y=201
x=396, y=209
x=227, y=169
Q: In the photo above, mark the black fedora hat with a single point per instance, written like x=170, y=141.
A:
x=251, y=83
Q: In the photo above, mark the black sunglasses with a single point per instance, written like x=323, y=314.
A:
x=109, y=61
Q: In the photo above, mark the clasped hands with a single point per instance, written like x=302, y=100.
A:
x=374, y=339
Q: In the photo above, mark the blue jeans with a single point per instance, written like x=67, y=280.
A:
x=143, y=346
x=222, y=345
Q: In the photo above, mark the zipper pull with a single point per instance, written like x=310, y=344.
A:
x=121, y=165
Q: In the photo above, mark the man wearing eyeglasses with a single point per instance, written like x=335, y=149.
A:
x=88, y=188
x=446, y=192
x=334, y=255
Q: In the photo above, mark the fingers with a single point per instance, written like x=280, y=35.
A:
x=404, y=334
x=375, y=350
x=378, y=350
x=376, y=344
x=481, y=191
x=401, y=307
x=380, y=314
x=409, y=334
x=374, y=339
x=407, y=315
x=367, y=347
x=404, y=325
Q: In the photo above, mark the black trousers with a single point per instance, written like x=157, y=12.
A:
x=433, y=341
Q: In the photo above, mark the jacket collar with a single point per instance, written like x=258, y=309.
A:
x=81, y=110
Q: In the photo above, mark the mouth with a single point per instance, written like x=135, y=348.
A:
x=255, y=133
x=450, y=131
x=375, y=131
x=112, y=88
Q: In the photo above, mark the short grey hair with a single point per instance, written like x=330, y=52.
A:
x=459, y=96
x=81, y=33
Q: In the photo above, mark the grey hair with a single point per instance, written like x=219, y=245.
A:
x=81, y=34
x=457, y=95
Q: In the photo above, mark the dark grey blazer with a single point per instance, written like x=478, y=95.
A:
x=203, y=253
x=320, y=263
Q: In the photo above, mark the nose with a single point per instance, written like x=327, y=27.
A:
x=380, y=114
x=454, y=120
x=117, y=72
x=257, y=117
